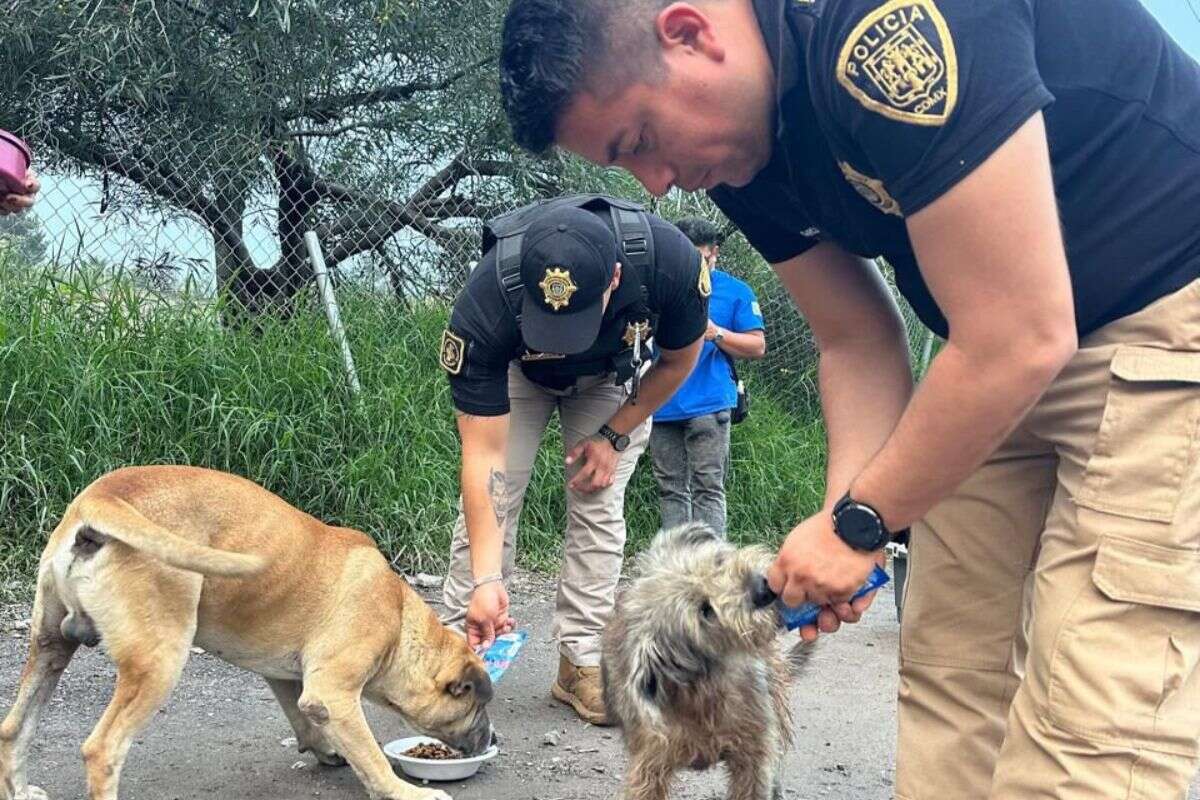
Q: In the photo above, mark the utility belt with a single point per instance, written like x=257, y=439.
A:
x=562, y=373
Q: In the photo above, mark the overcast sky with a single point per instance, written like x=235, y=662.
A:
x=1180, y=18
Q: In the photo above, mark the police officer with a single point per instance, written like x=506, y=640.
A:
x=1031, y=170
x=557, y=315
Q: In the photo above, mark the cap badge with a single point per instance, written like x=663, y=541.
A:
x=557, y=288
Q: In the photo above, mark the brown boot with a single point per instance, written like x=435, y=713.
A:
x=579, y=687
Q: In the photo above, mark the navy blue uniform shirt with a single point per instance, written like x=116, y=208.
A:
x=492, y=338
x=883, y=107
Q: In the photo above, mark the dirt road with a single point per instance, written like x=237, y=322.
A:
x=220, y=735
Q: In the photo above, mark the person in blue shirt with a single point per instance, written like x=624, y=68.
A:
x=689, y=442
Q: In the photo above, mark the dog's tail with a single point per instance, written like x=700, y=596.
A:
x=799, y=656
x=107, y=517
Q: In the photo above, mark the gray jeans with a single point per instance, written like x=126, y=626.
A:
x=689, y=458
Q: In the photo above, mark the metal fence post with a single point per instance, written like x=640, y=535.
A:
x=329, y=300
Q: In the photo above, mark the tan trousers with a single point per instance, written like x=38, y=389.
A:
x=1051, y=632
x=595, y=539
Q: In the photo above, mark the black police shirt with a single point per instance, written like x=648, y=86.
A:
x=884, y=106
x=492, y=338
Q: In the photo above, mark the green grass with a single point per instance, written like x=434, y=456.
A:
x=94, y=374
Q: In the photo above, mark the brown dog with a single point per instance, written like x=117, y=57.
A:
x=153, y=560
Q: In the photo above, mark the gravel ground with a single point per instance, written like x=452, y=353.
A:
x=222, y=734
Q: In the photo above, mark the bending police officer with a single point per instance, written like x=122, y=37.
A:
x=557, y=316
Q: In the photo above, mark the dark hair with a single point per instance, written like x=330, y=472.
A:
x=550, y=49
x=700, y=231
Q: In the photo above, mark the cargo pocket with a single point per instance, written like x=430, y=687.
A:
x=1124, y=667
x=1148, y=437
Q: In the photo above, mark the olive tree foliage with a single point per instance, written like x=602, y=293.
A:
x=370, y=122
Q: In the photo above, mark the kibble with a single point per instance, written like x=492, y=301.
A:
x=432, y=752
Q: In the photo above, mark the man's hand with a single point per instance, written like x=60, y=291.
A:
x=816, y=566
x=16, y=203
x=599, y=467
x=487, y=615
x=711, y=332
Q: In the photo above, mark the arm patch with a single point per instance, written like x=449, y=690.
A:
x=453, y=352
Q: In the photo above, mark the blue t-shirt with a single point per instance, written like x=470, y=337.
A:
x=710, y=387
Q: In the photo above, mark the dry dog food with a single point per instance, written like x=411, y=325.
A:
x=432, y=752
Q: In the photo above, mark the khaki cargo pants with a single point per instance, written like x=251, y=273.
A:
x=594, y=546
x=1051, y=630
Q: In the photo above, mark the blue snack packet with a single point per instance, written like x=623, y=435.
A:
x=806, y=614
x=499, y=657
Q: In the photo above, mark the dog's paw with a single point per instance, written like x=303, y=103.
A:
x=330, y=759
x=324, y=754
x=432, y=794
x=32, y=793
x=417, y=793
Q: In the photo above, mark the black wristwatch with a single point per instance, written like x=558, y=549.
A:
x=619, y=441
x=859, y=525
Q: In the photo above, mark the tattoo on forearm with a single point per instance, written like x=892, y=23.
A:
x=498, y=492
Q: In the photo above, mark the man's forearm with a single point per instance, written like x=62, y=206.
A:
x=659, y=384
x=485, y=501
x=748, y=344
x=865, y=386
x=963, y=410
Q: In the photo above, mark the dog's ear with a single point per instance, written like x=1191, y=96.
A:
x=461, y=679
x=644, y=684
x=660, y=667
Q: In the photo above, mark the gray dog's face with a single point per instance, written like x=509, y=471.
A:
x=696, y=600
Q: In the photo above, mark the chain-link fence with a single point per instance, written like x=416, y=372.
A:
x=190, y=146
x=401, y=250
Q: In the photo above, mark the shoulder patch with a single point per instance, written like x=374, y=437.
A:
x=899, y=61
x=453, y=352
x=704, y=286
x=871, y=189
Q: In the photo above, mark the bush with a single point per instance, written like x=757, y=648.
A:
x=96, y=373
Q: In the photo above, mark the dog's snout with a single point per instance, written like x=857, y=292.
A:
x=761, y=594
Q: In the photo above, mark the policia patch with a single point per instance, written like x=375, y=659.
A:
x=899, y=61
x=871, y=189
x=453, y=352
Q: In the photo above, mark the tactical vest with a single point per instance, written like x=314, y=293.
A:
x=628, y=220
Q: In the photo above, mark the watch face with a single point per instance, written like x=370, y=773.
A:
x=859, y=527
x=621, y=442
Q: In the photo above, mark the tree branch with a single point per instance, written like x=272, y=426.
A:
x=332, y=109
x=151, y=178
x=340, y=130
x=207, y=15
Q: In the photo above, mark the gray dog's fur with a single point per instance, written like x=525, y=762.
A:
x=692, y=670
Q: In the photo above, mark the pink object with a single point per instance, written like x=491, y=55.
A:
x=14, y=163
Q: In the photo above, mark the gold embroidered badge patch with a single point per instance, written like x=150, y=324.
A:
x=453, y=352
x=704, y=287
x=633, y=329
x=871, y=189
x=899, y=61
x=557, y=288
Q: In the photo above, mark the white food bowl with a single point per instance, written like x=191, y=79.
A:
x=427, y=769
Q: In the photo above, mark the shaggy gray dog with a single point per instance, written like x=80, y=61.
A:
x=691, y=668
